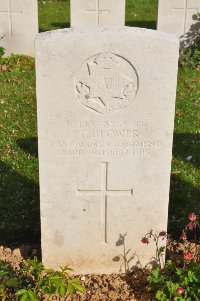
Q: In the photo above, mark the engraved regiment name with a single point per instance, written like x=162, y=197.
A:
x=106, y=83
x=117, y=139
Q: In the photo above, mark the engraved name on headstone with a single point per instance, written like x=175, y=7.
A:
x=18, y=26
x=105, y=126
x=97, y=12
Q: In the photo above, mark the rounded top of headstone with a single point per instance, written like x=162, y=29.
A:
x=154, y=34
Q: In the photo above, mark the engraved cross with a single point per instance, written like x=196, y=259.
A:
x=98, y=12
x=9, y=13
x=186, y=8
x=105, y=193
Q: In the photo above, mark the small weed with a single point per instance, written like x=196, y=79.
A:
x=190, y=56
x=32, y=282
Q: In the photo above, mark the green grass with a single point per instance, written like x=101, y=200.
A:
x=141, y=13
x=56, y=14
x=19, y=183
x=19, y=206
x=185, y=180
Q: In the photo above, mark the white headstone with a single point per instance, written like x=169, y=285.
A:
x=97, y=12
x=106, y=101
x=18, y=26
x=179, y=17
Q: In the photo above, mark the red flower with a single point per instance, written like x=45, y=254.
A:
x=183, y=236
x=188, y=256
x=192, y=217
x=163, y=233
x=180, y=290
x=190, y=226
x=145, y=240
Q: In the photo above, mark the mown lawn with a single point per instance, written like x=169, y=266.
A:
x=56, y=14
x=19, y=184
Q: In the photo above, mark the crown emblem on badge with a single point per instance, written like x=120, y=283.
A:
x=106, y=60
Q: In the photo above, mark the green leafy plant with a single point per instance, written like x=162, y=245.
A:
x=8, y=281
x=2, y=51
x=180, y=280
x=48, y=282
x=190, y=56
x=176, y=283
x=59, y=283
x=33, y=281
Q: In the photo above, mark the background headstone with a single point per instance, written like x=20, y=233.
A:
x=97, y=12
x=18, y=26
x=179, y=17
x=106, y=100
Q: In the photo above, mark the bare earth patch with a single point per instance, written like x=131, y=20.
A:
x=115, y=287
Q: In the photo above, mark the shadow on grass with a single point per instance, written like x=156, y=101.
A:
x=61, y=24
x=43, y=29
x=19, y=208
x=186, y=145
x=142, y=24
x=184, y=199
x=56, y=25
x=29, y=145
x=184, y=196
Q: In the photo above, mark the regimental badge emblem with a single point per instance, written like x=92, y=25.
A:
x=106, y=83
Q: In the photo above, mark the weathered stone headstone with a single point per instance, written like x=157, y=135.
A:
x=97, y=12
x=18, y=26
x=106, y=101
x=179, y=17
